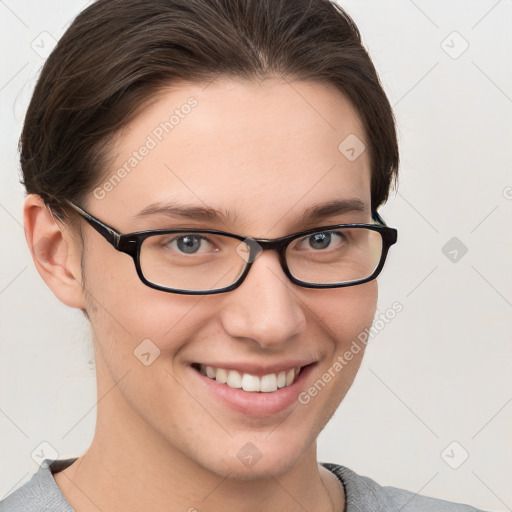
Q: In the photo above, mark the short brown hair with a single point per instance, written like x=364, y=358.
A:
x=117, y=54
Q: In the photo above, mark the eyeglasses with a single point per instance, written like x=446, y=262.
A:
x=206, y=261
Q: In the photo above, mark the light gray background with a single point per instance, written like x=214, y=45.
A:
x=439, y=372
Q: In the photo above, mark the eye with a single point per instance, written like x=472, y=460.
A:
x=321, y=240
x=189, y=244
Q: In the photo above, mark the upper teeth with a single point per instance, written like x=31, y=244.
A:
x=248, y=382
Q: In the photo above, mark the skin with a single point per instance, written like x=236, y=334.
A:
x=264, y=151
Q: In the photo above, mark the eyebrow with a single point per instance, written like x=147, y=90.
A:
x=207, y=214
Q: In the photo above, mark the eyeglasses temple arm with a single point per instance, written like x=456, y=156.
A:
x=110, y=234
x=376, y=217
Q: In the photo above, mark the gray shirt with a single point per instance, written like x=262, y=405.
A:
x=42, y=494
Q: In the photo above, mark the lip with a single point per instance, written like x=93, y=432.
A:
x=255, y=404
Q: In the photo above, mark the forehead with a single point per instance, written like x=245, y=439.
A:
x=261, y=151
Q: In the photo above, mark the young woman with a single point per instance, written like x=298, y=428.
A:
x=203, y=182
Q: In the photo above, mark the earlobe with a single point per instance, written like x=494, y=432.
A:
x=56, y=253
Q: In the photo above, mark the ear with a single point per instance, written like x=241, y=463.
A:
x=55, y=251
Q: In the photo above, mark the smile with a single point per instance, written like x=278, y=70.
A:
x=248, y=382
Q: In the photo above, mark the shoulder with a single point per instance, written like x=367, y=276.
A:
x=41, y=493
x=365, y=495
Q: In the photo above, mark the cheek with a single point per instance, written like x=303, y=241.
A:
x=127, y=316
x=345, y=313
x=344, y=316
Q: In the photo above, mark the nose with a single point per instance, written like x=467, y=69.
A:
x=266, y=307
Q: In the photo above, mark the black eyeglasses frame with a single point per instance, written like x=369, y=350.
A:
x=130, y=243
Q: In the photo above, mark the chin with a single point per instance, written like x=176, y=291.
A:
x=272, y=465
x=257, y=459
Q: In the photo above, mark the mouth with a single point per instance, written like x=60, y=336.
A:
x=250, y=383
x=253, y=391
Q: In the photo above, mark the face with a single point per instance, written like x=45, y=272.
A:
x=260, y=155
